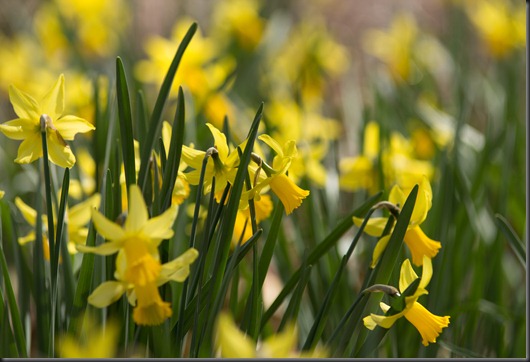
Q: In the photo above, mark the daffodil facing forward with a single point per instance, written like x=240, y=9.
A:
x=138, y=266
x=46, y=114
x=418, y=243
x=429, y=325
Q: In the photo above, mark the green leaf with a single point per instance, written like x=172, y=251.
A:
x=175, y=151
x=13, y=307
x=515, y=242
x=317, y=253
x=126, y=128
x=156, y=117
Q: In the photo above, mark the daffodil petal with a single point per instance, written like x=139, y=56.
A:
x=52, y=103
x=58, y=151
x=30, y=149
x=192, y=156
x=137, y=216
x=106, y=294
x=269, y=141
x=160, y=227
x=69, y=126
x=420, y=244
x=80, y=213
x=426, y=273
x=232, y=342
x=219, y=142
x=429, y=325
x=25, y=106
x=106, y=228
x=29, y=214
x=378, y=250
x=282, y=344
x=178, y=269
x=386, y=322
x=18, y=129
x=107, y=248
x=406, y=276
x=374, y=226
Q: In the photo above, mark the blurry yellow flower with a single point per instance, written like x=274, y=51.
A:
x=93, y=341
x=221, y=163
x=232, y=343
x=263, y=208
x=2, y=193
x=239, y=20
x=77, y=217
x=429, y=325
x=86, y=184
x=500, y=25
x=418, y=243
x=49, y=111
x=394, y=47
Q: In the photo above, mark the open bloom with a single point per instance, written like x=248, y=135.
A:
x=48, y=111
x=419, y=244
x=221, y=164
x=429, y=325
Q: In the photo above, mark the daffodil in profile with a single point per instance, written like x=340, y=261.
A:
x=289, y=193
x=429, y=325
x=418, y=243
x=45, y=113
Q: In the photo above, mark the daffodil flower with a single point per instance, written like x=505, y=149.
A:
x=139, y=238
x=429, y=325
x=222, y=164
x=76, y=217
x=233, y=343
x=418, y=243
x=149, y=309
x=59, y=128
x=290, y=194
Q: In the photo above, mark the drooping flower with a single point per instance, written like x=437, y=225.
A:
x=290, y=194
x=48, y=113
x=429, y=325
x=418, y=243
x=232, y=343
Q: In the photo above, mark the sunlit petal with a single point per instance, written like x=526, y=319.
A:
x=25, y=106
x=420, y=244
x=106, y=294
x=69, y=126
x=138, y=215
x=52, y=103
x=108, y=229
x=30, y=149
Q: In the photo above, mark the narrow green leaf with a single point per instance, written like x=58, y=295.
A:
x=13, y=307
x=126, y=127
x=515, y=242
x=291, y=312
x=156, y=117
x=175, y=151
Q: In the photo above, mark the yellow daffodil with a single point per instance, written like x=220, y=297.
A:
x=418, y=243
x=232, y=343
x=222, y=164
x=139, y=238
x=500, y=25
x=150, y=309
x=93, y=341
x=290, y=194
x=76, y=218
x=48, y=111
x=263, y=208
x=429, y=325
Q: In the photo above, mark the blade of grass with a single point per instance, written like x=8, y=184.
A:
x=126, y=128
x=155, y=122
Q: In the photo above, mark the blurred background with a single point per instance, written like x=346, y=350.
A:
x=375, y=92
